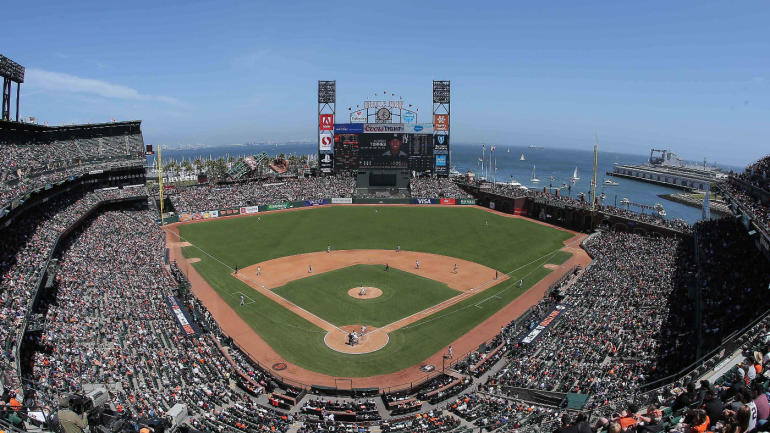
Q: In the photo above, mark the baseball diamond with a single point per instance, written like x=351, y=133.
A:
x=304, y=319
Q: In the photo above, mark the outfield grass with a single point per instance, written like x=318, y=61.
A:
x=516, y=246
x=403, y=294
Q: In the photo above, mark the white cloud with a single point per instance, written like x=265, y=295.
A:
x=57, y=81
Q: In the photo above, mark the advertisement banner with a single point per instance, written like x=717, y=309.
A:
x=348, y=128
x=275, y=206
x=440, y=143
x=424, y=201
x=185, y=217
x=326, y=122
x=316, y=202
x=182, y=318
x=466, y=201
x=418, y=128
x=383, y=128
x=441, y=122
x=544, y=324
x=326, y=163
x=325, y=142
x=249, y=209
x=228, y=212
x=357, y=117
x=447, y=201
x=342, y=200
x=408, y=116
x=442, y=164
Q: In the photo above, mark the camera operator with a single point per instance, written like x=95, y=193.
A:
x=70, y=421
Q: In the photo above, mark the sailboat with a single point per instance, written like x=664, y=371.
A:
x=575, y=176
x=534, y=179
x=522, y=157
x=508, y=150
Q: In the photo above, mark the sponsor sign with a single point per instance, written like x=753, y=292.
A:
x=408, y=116
x=418, y=128
x=275, y=206
x=383, y=128
x=384, y=104
x=316, y=202
x=471, y=201
x=544, y=324
x=326, y=163
x=325, y=141
x=228, y=212
x=326, y=122
x=342, y=200
x=357, y=117
x=211, y=214
x=348, y=128
x=249, y=209
x=441, y=122
x=182, y=318
x=422, y=201
x=440, y=143
x=440, y=161
x=447, y=201
x=185, y=217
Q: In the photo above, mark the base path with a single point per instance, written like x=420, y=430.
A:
x=247, y=338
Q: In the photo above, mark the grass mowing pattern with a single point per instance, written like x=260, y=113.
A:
x=498, y=242
x=403, y=294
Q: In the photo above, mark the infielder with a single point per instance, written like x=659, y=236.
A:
x=451, y=351
x=455, y=268
x=328, y=248
x=417, y=263
x=310, y=269
x=259, y=270
x=242, y=300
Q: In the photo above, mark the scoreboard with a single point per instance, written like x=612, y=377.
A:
x=356, y=146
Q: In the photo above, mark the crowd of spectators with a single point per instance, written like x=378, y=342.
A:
x=566, y=201
x=618, y=329
x=29, y=166
x=429, y=187
x=201, y=198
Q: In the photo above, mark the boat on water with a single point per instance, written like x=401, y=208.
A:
x=575, y=176
x=532, y=146
x=624, y=201
x=534, y=178
x=522, y=157
x=610, y=182
x=508, y=150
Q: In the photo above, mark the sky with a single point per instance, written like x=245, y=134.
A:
x=693, y=77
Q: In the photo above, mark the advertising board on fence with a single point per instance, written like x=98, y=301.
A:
x=424, y=201
x=275, y=206
x=465, y=201
x=447, y=201
x=249, y=209
x=342, y=200
x=316, y=202
x=544, y=324
x=229, y=212
x=182, y=318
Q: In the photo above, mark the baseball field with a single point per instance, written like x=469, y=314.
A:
x=294, y=293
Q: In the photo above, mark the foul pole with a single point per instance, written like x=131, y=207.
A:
x=593, y=183
x=160, y=182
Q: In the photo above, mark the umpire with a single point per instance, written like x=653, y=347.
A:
x=69, y=421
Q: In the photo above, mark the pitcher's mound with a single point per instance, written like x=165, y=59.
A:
x=371, y=293
x=372, y=340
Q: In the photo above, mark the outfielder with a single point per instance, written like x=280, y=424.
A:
x=242, y=300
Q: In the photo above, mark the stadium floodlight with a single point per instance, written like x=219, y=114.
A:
x=11, y=70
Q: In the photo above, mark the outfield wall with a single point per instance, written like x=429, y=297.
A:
x=243, y=210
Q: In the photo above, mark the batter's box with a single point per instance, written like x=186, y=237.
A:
x=246, y=299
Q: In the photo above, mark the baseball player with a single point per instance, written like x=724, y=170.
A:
x=259, y=270
x=451, y=351
x=242, y=300
x=236, y=269
x=486, y=223
x=329, y=248
x=363, y=330
x=455, y=268
x=398, y=249
x=362, y=292
x=387, y=267
x=521, y=281
x=495, y=274
x=417, y=263
x=310, y=269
